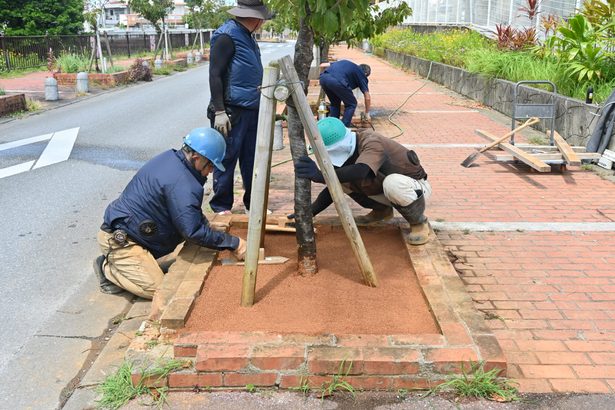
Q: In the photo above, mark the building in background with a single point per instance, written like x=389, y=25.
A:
x=118, y=15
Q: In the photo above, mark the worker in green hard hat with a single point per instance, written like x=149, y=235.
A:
x=376, y=172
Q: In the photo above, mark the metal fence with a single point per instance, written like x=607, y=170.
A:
x=486, y=14
x=18, y=53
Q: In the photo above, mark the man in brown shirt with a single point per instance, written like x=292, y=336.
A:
x=376, y=172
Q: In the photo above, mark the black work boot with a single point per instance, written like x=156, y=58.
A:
x=414, y=214
x=106, y=286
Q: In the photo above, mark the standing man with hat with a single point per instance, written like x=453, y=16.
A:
x=376, y=172
x=338, y=81
x=159, y=209
x=235, y=75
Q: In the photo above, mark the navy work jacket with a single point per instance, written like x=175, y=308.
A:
x=349, y=74
x=166, y=193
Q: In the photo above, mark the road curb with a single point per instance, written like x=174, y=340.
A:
x=111, y=357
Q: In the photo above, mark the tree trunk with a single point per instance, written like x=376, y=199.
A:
x=324, y=51
x=306, y=242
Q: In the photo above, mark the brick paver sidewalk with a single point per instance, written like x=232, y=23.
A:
x=547, y=290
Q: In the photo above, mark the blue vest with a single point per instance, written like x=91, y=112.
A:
x=245, y=73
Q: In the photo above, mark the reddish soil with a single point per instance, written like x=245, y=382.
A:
x=333, y=301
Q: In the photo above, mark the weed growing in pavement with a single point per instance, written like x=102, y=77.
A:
x=250, y=388
x=117, y=389
x=402, y=394
x=338, y=383
x=304, y=386
x=164, y=70
x=480, y=384
x=587, y=167
x=537, y=140
x=33, y=105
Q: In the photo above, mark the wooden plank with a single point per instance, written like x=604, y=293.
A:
x=550, y=156
x=568, y=153
x=260, y=177
x=518, y=153
x=531, y=147
x=324, y=163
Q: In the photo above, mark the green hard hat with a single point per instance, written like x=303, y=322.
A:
x=332, y=130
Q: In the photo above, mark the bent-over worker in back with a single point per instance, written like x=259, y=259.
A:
x=376, y=172
x=159, y=209
x=338, y=81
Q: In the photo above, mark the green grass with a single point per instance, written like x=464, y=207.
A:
x=21, y=72
x=477, y=54
x=478, y=383
x=537, y=140
x=33, y=105
x=2, y=92
x=164, y=70
x=338, y=383
x=304, y=386
x=116, y=69
x=117, y=389
x=72, y=63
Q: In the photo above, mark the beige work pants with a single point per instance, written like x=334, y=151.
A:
x=131, y=267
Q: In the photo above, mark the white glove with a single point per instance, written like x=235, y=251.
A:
x=222, y=123
x=240, y=252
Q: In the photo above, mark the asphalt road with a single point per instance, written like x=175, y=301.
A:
x=50, y=306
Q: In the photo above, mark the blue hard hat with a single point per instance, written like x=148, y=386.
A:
x=209, y=143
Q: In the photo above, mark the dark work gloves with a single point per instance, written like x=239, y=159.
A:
x=306, y=168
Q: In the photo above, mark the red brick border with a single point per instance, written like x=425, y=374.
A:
x=370, y=362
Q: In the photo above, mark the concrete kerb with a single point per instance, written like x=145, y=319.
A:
x=110, y=359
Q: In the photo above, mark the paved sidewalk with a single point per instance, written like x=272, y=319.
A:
x=549, y=293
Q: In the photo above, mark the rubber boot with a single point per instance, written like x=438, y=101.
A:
x=106, y=286
x=379, y=212
x=414, y=214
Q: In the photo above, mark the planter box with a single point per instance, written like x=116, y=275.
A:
x=105, y=80
x=573, y=117
x=12, y=103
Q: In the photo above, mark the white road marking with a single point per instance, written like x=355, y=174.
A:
x=57, y=150
x=16, y=169
x=439, y=111
x=26, y=141
x=525, y=226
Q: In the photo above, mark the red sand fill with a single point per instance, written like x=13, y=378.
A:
x=333, y=301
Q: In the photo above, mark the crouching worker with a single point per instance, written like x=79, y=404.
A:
x=376, y=172
x=159, y=209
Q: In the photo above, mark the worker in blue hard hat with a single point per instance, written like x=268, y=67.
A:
x=376, y=172
x=159, y=209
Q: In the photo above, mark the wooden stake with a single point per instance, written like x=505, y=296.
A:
x=343, y=210
x=260, y=177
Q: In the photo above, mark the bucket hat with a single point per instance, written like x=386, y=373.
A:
x=251, y=8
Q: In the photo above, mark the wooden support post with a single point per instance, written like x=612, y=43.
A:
x=343, y=210
x=260, y=184
x=568, y=153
